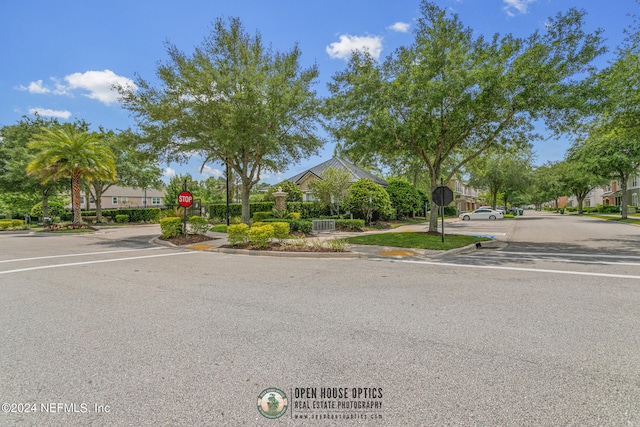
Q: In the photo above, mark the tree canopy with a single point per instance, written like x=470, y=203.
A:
x=69, y=152
x=451, y=95
x=233, y=100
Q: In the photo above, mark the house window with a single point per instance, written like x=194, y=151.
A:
x=155, y=200
x=634, y=199
x=114, y=200
x=634, y=181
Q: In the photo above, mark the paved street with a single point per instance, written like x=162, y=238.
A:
x=108, y=329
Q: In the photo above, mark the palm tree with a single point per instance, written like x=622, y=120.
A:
x=72, y=153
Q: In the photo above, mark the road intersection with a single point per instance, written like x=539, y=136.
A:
x=110, y=329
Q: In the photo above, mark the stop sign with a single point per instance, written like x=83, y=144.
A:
x=442, y=196
x=185, y=199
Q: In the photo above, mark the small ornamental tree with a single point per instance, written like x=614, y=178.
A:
x=366, y=198
x=332, y=189
x=405, y=198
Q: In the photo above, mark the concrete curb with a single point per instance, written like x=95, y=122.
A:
x=360, y=252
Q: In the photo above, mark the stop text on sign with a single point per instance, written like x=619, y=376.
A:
x=185, y=199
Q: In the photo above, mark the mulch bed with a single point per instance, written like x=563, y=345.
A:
x=189, y=239
x=277, y=247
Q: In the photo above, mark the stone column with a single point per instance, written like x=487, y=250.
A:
x=280, y=200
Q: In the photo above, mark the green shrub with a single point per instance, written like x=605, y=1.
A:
x=219, y=210
x=308, y=209
x=219, y=228
x=198, y=225
x=11, y=224
x=259, y=216
x=170, y=227
x=350, y=224
x=56, y=208
x=135, y=214
x=260, y=236
x=280, y=229
x=367, y=200
x=258, y=224
x=237, y=233
x=293, y=215
x=121, y=219
x=301, y=225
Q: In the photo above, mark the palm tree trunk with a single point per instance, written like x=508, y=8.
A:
x=76, y=192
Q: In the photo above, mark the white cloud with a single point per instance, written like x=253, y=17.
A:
x=169, y=172
x=519, y=6
x=209, y=171
x=99, y=84
x=35, y=87
x=400, y=27
x=349, y=44
x=46, y=112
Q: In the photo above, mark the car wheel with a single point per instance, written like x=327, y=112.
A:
x=466, y=218
x=492, y=217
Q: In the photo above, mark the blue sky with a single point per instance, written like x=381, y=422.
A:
x=60, y=58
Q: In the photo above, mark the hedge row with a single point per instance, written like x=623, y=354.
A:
x=219, y=210
x=306, y=209
x=11, y=223
x=135, y=214
x=301, y=225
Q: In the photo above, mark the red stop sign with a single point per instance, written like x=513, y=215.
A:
x=185, y=199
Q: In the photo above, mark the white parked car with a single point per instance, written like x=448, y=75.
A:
x=482, y=213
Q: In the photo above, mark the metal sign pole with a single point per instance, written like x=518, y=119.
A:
x=184, y=221
x=442, y=196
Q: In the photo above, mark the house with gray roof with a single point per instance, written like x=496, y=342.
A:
x=302, y=179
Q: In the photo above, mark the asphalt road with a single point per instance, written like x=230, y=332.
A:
x=108, y=329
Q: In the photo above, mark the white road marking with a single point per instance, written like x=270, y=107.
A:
x=82, y=254
x=533, y=270
x=42, y=267
x=570, y=254
x=568, y=261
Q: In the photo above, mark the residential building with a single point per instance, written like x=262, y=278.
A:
x=465, y=197
x=302, y=179
x=127, y=197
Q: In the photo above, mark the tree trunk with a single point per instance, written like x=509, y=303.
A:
x=580, y=202
x=45, y=202
x=87, y=201
x=433, y=218
x=98, y=201
x=246, y=207
x=76, y=192
x=623, y=198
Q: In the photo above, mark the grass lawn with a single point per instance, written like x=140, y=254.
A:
x=630, y=220
x=416, y=240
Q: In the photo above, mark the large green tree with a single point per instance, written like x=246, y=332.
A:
x=15, y=155
x=69, y=152
x=234, y=100
x=452, y=94
x=579, y=176
x=612, y=153
x=500, y=171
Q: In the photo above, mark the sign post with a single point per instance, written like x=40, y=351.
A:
x=185, y=199
x=442, y=196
